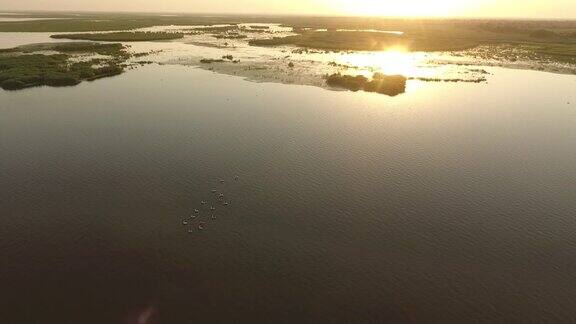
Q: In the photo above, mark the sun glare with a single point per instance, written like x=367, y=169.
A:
x=393, y=61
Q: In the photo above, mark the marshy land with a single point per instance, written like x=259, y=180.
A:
x=27, y=66
x=296, y=50
x=122, y=36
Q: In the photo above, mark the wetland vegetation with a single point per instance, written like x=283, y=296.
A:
x=553, y=39
x=26, y=66
x=560, y=49
x=32, y=70
x=115, y=50
x=366, y=41
x=121, y=36
x=505, y=41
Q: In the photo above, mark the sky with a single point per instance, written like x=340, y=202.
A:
x=410, y=8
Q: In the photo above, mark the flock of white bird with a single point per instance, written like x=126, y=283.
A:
x=200, y=217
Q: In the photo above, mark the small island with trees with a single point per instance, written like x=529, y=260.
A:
x=25, y=67
x=390, y=85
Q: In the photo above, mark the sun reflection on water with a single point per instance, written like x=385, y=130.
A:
x=393, y=61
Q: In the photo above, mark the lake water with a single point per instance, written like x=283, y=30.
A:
x=450, y=203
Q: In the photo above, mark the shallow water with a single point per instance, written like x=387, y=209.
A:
x=451, y=203
x=11, y=40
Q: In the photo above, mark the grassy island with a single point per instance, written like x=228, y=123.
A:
x=554, y=46
x=22, y=67
x=115, y=50
x=122, y=36
x=366, y=41
x=32, y=70
x=391, y=85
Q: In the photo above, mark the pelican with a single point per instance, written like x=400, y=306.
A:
x=184, y=222
x=212, y=208
x=196, y=211
x=201, y=226
x=203, y=202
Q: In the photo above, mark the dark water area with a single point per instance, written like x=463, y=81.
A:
x=449, y=204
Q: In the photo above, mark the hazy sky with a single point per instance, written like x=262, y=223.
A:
x=464, y=8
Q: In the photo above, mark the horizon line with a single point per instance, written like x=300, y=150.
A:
x=204, y=13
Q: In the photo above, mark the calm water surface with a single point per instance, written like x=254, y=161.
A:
x=450, y=203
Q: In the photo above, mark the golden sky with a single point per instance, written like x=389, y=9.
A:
x=437, y=8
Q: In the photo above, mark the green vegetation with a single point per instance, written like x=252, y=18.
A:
x=367, y=41
x=87, y=22
x=69, y=25
x=554, y=40
x=116, y=50
x=391, y=85
x=538, y=44
x=122, y=36
x=483, y=28
x=24, y=71
x=21, y=67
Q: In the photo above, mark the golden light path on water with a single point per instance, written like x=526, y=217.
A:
x=395, y=61
x=389, y=62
